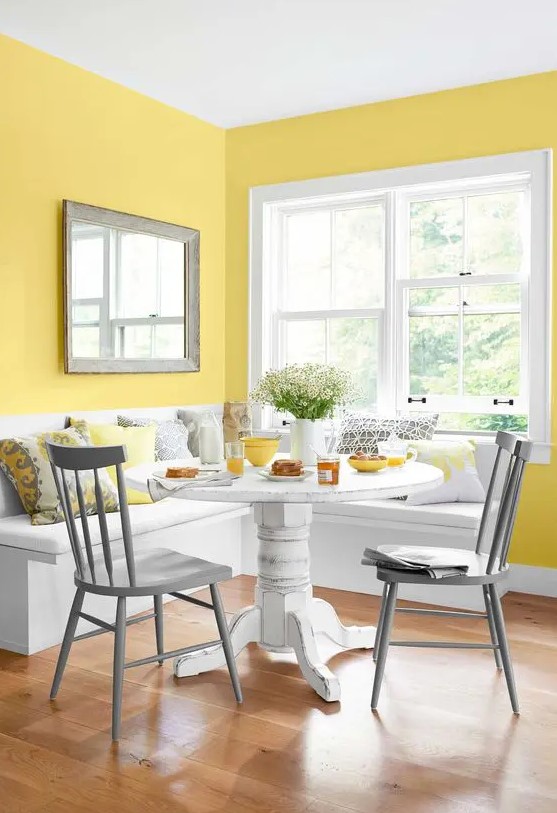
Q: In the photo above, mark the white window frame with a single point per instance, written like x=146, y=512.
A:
x=281, y=316
x=532, y=166
x=404, y=283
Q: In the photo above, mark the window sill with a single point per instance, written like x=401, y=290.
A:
x=541, y=454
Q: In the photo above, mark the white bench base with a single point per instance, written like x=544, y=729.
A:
x=37, y=589
x=336, y=546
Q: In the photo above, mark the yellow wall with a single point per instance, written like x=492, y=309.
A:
x=67, y=133
x=519, y=114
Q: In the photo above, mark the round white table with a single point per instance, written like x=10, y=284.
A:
x=285, y=616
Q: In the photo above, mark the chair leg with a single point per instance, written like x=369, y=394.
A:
x=159, y=626
x=384, y=642
x=118, y=668
x=224, y=633
x=380, y=622
x=491, y=624
x=67, y=641
x=499, y=622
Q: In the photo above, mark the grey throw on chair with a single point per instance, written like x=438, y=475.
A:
x=121, y=572
x=486, y=567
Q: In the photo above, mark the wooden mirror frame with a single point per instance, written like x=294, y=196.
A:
x=144, y=225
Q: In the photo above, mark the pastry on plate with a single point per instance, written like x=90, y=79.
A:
x=175, y=472
x=287, y=468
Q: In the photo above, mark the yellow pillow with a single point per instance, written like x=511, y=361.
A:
x=138, y=440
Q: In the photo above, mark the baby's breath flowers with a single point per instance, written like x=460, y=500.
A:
x=307, y=391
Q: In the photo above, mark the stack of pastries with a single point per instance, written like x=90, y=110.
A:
x=287, y=468
x=361, y=455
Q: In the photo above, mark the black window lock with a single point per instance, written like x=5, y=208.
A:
x=497, y=401
x=416, y=400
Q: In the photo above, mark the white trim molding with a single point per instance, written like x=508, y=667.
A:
x=537, y=581
x=528, y=171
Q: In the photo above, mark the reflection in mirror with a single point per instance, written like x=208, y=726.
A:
x=131, y=295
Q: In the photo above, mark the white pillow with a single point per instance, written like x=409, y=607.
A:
x=456, y=459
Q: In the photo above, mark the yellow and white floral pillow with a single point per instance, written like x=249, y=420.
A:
x=456, y=460
x=24, y=461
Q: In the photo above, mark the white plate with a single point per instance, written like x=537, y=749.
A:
x=282, y=478
x=161, y=475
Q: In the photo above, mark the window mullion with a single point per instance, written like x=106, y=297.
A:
x=332, y=313
x=159, y=280
x=332, y=219
x=387, y=369
x=461, y=340
x=465, y=253
x=465, y=271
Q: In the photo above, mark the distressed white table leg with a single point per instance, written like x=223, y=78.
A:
x=285, y=616
x=284, y=591
x=325, y=620
x=245, y=628
x=283, y=583
x=302, y=639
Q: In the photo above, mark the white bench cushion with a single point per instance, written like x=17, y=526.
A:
x=17, y=531
x=451, y=515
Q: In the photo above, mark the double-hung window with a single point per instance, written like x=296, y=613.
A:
x=430, y=284
x=331, y=289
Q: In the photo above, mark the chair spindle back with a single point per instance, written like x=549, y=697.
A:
x=501, y=504
x=69, y=464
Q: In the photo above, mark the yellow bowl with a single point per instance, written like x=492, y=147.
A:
x=260, y=451
x=368, y=465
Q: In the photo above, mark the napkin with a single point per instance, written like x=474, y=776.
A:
x=158, y=489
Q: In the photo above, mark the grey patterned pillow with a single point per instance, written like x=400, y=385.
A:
x=360, y=430
x=171, y=439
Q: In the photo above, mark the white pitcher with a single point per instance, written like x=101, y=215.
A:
x=305, y=437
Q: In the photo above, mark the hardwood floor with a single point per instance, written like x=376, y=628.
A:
x=445, y=740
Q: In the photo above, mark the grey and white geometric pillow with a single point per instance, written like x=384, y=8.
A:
x=171, y=439
x=360, y=430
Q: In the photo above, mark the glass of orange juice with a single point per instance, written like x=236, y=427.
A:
x=397, y=452
x=234, y=453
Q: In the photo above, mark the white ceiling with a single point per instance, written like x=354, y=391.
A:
x=234, y=62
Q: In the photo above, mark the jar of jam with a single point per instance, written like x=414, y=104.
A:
x=328, y=468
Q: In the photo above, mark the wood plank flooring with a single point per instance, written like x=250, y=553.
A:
x=445, y=740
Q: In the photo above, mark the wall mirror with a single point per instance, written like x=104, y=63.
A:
x=131, y=293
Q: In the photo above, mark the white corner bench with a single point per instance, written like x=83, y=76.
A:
x=36, y=565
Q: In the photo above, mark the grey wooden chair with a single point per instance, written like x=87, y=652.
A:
x=121, y=572
x=487, y=566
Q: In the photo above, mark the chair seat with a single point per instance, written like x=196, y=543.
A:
x=476, y=574
x=157, y=571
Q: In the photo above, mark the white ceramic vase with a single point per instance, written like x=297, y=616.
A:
x=305, y=437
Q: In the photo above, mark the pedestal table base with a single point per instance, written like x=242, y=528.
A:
x=285, y=617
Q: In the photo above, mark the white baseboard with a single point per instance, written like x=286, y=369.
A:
x=538, y=581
